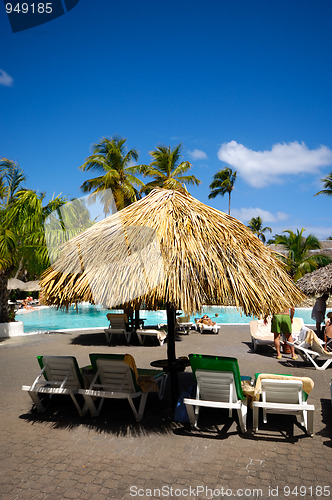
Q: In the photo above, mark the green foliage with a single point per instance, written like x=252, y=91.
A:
x=223, y=182
x=167, y=170
x=256, y=226
x=327, y=182
x=298, y=260
x=22, y=241
x=113, y=162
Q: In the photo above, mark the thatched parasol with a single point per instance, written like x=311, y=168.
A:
x=317, y=282
x=172, y=249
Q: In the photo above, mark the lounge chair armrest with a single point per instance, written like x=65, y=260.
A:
x=211, y=404
x=283, y=406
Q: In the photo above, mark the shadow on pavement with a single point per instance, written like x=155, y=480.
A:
x=98, y=339
x=279, y=428
x=116, y=418
x=326, y=411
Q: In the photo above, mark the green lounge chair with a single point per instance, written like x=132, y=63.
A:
x=116, y=377
x=218, y=386
x=59, y=375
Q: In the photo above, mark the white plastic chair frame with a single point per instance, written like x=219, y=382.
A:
x=62, y=379
x=286, y=397
x=116, y=382
x=216, y=389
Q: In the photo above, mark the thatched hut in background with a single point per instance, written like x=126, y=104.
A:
x=170, y=248
x=317, y=282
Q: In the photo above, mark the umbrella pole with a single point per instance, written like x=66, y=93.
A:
x=170, y=310
x=137, y=317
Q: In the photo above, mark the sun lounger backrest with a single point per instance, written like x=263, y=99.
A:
x=316, y=346
x=282, y=391
x=117, y=320
x=183, y=319
x=297, y=324
x=60, y=368
x=218, y=364
x=115, y=372
x=216, y=386
x=115, y=376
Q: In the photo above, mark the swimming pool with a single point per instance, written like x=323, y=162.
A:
x=51, y=319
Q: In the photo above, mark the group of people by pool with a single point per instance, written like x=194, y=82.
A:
x=28, y=303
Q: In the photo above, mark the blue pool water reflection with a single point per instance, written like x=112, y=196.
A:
x=49, y=319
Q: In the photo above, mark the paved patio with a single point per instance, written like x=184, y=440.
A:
x=58, y=455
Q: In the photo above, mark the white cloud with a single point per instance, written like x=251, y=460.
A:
x=246, y=214
x=198, y=154
x=5, y=79
x=261, y=168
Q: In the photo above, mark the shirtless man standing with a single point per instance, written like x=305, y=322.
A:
x=282, y=323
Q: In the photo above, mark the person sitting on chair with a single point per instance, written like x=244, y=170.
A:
x=328, y=331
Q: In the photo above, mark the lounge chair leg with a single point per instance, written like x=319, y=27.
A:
x=141, y=408
x=310, y=422
x=95, y=411
x=255, y=412
x=81, y=411
x=242, y=415
x=191, y=415
x=37, y=402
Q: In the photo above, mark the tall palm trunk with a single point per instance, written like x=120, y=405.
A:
x=4, y=295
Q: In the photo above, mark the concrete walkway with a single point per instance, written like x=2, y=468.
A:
x=57, y=455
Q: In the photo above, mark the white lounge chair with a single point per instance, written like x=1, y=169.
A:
x=183, y=324
x=59, y=375
x=142, y=333
x=312, y=351
x=117, y=326
x=218, y=386
x=116, y=377
x=283, y=394
x=261, y=332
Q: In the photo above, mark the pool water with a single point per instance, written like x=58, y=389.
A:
x=87, y=316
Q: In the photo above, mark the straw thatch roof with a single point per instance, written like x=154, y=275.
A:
x=29, y=286
x=317, y=282
x=170, y=247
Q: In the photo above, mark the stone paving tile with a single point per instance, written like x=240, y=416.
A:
x=57, y=455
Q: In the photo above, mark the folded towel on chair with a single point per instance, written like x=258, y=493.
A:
x=308, y=384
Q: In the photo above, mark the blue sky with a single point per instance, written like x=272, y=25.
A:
x=244, y=84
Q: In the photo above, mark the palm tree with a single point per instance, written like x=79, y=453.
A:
x=327, y=185
x=256, y=226
x=113, y=162
x=223, y=182
x=299, y=261
x=167, y=170
x=21, y=228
